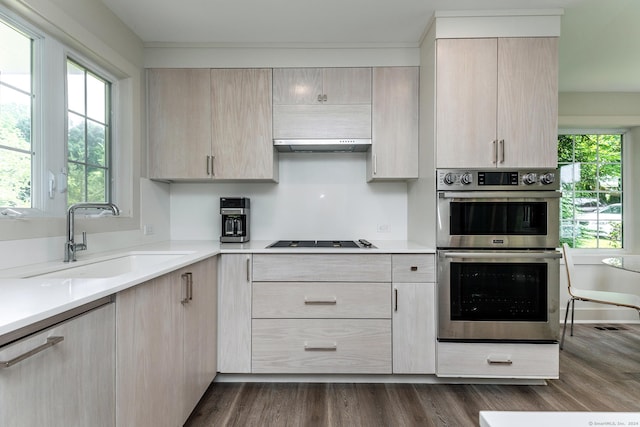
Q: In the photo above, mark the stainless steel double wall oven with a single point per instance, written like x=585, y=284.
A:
x=498, y=266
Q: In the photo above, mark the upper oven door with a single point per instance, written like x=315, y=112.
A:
x=498, y=219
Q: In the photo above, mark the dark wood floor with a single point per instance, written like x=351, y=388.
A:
x=599, y=371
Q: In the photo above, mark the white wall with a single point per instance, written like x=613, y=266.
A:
x=319, y=196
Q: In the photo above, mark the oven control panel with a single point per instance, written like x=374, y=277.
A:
x=495, y=179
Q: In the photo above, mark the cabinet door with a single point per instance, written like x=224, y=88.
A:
x=528, y=102
x=414, y=328
x=179, y=107
x=345, y=86
x=149, y=354
x=297, y=86
x=466, y=102
x=234, y=320
x=332, y=86
x=242, y=146
x=200, y=330
x=68, y=384
x=394, y=152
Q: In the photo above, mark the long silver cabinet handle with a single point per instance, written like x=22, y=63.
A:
x=51, y=341
x=213, y=165
x=501, y=151
x=395, y=292
x=320, y=301
x=499, y=361
x=208, y=165
x=320, y=347
x=188, y=283
x=495, y=152
x=248, y=269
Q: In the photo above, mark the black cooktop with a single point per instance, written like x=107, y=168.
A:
x=320, y=244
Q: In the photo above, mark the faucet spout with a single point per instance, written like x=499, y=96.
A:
x=70, y=247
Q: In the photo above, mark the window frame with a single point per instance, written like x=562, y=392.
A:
x=37, y=147
x=49, y=122
x=100, y=73
x=626, y=159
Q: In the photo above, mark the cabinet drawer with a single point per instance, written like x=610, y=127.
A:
x=328, y=346
x=312, y=300
x=498, y=360
x=413, y=268
x=322, y=268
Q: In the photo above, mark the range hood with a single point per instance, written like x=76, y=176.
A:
x=322, y=145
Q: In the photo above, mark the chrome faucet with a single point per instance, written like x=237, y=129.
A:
x=70, y=248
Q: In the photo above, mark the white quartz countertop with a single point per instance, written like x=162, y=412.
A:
x=552, y=419
x=25, y=301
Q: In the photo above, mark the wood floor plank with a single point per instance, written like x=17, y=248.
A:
x=599, y=371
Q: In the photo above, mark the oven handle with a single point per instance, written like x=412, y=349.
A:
x=505, y=254
x=499, y=194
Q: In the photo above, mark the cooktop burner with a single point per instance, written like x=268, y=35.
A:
x=320, y=244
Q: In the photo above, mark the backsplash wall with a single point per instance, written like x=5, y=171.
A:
x=319, y=196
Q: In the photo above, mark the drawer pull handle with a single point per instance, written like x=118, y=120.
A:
x=320, y=347
x=51, y=341
x=499, y=360
x=414, y=268
x=320, y=301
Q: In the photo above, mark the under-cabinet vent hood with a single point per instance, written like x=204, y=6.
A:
x=322, y=145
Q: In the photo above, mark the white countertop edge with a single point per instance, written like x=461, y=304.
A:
x=25, y=301
x=550, y=418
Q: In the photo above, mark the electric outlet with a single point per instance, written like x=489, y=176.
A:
x=383, y=228
x=147, y=229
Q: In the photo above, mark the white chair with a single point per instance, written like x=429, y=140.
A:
x=601, y=297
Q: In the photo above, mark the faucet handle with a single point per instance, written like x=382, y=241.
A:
x=82, y=246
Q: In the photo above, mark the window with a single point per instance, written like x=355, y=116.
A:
x=592, y=196
x=16, y=110
x=88, y=99
x=51, y=156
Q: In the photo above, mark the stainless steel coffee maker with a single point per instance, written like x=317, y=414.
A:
x=235, y=219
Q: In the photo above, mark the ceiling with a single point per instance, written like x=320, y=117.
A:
x=598, y=46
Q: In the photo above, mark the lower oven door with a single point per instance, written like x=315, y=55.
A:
x=498, y=295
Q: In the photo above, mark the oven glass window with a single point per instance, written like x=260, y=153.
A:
x=500, y=218
x=499, y=291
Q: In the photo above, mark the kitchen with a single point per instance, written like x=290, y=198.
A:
x=300, y=206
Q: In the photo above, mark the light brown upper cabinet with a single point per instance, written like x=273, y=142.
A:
x=496, y=102
x=321, y=103
x=242, y=125
x=211, y=124
x=394, y=151
x=312, y=86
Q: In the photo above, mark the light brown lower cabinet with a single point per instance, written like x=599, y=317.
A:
x=414, y=328
x=321, y=314
x=68, y=380
x=321, y=346
x=166, y=346
x=498, y=360
x=414, y=314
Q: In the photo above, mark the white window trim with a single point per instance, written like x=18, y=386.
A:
x=127, y=89
x=595, y=255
